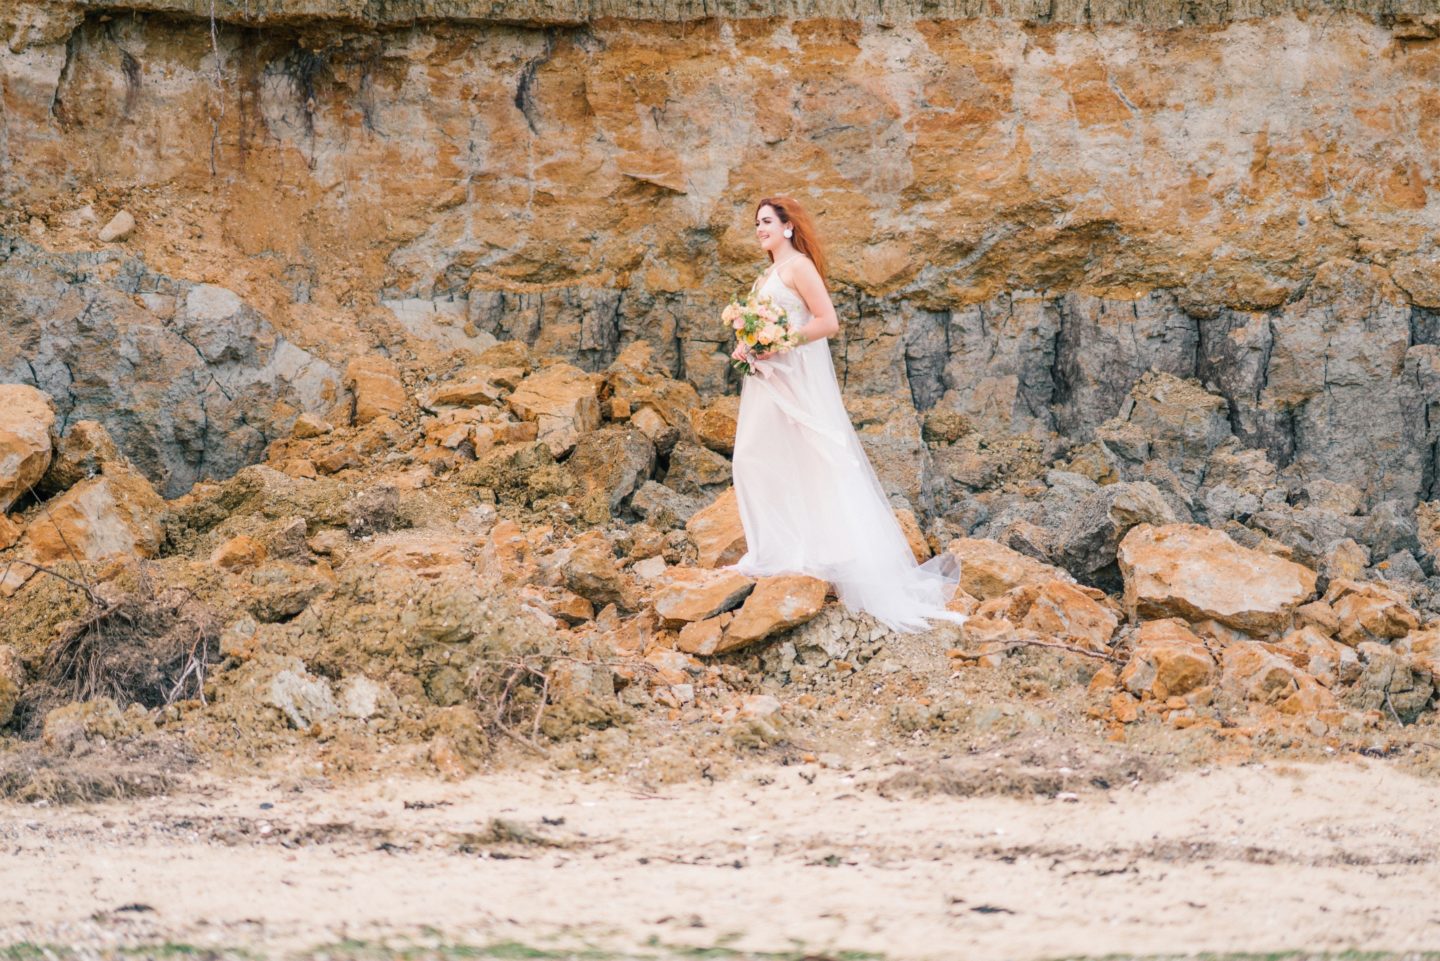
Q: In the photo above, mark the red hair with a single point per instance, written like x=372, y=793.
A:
x=807, y=238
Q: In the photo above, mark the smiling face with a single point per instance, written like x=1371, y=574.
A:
x=768, y=229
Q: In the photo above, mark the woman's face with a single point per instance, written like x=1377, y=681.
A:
x=768, y=229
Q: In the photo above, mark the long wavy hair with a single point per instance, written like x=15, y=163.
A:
x=807, y=238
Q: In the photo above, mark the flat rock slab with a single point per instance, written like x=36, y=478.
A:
x=989, y=569
x=693, y=594
x=777, y=604
x=1195, y=573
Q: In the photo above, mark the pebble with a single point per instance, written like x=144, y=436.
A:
x=118, y=228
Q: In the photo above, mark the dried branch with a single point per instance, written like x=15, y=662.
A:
x=60, y=531
x=498, y=692
x=1013, y=643
x=41, y=568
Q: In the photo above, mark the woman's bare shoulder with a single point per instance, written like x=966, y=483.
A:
x=801, y=268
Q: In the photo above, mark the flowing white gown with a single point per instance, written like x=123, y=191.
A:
x=809, y=499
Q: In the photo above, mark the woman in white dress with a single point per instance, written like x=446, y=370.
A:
x=809, y=500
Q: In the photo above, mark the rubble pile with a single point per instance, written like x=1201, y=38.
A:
x=517, y=551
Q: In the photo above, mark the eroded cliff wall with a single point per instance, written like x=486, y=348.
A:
x=1027, y=208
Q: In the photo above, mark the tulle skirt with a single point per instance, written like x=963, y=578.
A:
x=810, y=501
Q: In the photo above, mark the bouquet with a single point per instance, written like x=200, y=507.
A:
x=761, y=326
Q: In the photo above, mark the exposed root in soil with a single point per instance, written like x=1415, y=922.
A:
x=513, y=699
x=149, y=647
x=512, y=694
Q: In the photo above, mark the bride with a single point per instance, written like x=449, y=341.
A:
x=809, y=500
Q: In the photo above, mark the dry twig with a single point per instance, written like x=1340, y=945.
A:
x=41, y=568
x=1013, y=643
x=529, y=672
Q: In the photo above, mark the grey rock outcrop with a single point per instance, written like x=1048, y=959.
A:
x=1086, y=545
x=189, y=380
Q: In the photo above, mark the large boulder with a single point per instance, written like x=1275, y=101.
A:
x=649, y=422
x=613, y=460
x=1059, y=609
x=716, y=530
x=696, y=470
x=714, y=424
x=776, y=604
x=690, y=594
x=1256, y=672
x=662, y=507
x=1072, y=613
x=591, y=570
x=989, y=569
x=375, y=388
x=1193, y=572
x=1369, y=612
x=1327, y=660
x=562, y=400
x=27, y=426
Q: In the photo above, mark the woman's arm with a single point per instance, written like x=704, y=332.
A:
x=807, y=282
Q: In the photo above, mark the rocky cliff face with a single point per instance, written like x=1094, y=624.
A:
x=191, y=381
x=375, y=13
x=1027, y=212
